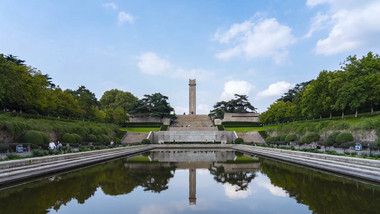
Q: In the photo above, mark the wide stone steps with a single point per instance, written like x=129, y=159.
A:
x=133, y=137
x=250, y=137
x=192, y=121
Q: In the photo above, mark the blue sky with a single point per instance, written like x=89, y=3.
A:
x=258, y=48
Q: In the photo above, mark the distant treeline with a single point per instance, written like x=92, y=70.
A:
x=25, y=89
x=352, y=89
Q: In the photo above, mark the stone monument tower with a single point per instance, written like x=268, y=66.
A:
x=192, y=97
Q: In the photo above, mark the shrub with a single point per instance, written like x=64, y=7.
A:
x=68, y=138
x=331, y=138
x=347, y=145
x=290, y=137
x=263, y=134
x=35, y=137
x=116, y=140
x=99, y=139
x=106, y=138
x=91, y=138
x=282, y=138
x=77, y=138
x=269, y=139
x=277, y=138
x=310, y=137
x=145, y=141
x=37, y=153
x=239, y=140
x=344, y=137
x=364, y=155
x=12, y=156
x=4, y=148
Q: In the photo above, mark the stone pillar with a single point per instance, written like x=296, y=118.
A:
x=192, y=97
x=192, y=186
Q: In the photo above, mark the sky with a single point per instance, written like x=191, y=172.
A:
x=257, y=48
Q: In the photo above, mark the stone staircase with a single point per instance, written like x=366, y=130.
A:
x=192, y=121
x=249, y=137
x=133, y=137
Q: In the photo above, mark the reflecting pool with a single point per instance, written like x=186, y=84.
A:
x=192, y=181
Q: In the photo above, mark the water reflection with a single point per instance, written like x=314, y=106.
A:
x=155, y=181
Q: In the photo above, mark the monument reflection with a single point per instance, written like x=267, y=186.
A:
x=221, y=163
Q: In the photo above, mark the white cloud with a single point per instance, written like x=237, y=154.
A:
x=179, y=110
x=125, y=17
x=178, y=207
x=351, y=24
x=111, y=5
x=203, y=109
x=318, y=23
x=276, y=191
x=275, y=89
x=235, y=87
x=313, y=3
x=230, y=192
x=150, y=63
x=255, y=39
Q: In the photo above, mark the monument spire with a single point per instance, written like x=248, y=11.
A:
x=192, y=97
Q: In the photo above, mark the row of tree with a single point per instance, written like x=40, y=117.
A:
x=25, y=89
x=353, y=88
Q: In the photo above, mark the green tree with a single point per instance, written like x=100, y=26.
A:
x=115, y=98
x=87, y=101
x=155, y=105
x=238, y=105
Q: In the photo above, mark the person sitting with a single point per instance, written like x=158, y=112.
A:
x=59, y=145
x=52, y=145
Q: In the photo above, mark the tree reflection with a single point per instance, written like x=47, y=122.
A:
x=240, y=179
x=112, y=178
x=323, y=193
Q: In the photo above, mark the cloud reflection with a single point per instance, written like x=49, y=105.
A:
x=177, y=207
x=230, y=192
x=276, y=191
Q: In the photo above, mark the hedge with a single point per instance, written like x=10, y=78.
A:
x=290, y=137
x=68, y=138
x=239, y=140
x=344, y=137
x=331, y=138
x=310, y=137
x=145, y=141
x=263, y=134
x=35, y=137
x=91, y=138
x=147, y=124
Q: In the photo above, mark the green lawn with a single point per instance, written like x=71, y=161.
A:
x=140, y=159
x=140, y=129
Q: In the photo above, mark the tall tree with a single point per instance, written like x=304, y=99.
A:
x=115, y=99
x=156, y=105
x=238, y=105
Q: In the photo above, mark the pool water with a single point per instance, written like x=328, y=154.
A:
x=192, y=181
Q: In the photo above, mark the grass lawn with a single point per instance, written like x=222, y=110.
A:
x=140, y=129
x=140, y=159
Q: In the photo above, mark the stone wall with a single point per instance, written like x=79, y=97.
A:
x=6, y=137
x=192, y=136
x=241, y=117
x=148, y=119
